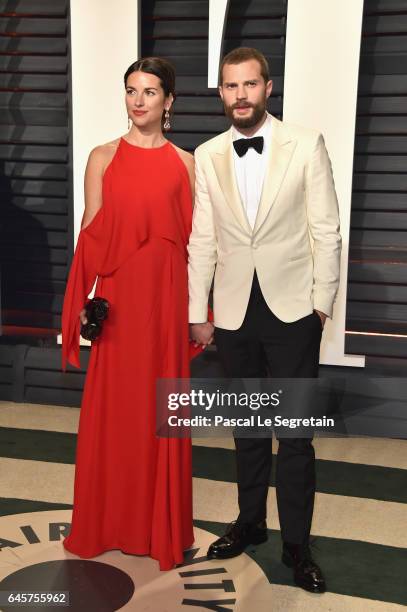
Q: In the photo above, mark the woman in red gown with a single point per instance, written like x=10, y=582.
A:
x=133, y=490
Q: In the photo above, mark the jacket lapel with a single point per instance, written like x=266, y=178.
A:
x=223, y=163
x=281, y=150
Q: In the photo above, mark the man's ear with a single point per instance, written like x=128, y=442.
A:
x=220, y=91
x=269, y=88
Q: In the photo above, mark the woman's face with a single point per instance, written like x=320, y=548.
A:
x=145, y=99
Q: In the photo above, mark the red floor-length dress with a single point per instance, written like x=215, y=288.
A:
x=133, y=490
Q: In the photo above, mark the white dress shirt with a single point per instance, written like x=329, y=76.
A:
x=250, y=170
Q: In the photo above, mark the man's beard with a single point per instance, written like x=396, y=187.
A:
x=246, y=122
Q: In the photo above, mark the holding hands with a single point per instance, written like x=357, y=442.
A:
x=201, y=333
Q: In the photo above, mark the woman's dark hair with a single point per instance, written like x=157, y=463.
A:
x=161, y=68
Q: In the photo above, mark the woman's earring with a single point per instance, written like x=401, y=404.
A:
x=167, y=123
x=128, y=122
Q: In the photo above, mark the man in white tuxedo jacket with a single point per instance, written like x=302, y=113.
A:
x=266, y=224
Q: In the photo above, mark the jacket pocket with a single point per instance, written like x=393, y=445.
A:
x=299, y=257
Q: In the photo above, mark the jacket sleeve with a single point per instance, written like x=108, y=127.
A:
x=202, y=249
x=81, y=279
x=323, y=223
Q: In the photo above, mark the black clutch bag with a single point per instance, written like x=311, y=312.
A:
x=97, y=310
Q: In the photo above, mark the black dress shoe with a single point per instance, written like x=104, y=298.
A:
x=307, y=574
x=236, y=539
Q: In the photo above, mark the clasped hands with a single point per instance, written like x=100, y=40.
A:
x=201, y=333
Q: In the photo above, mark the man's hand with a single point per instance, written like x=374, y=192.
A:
x=322, y=316
x=202, y=333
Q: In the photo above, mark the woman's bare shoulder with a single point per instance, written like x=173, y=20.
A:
x=186, y=157
x=103, y=154
x=189, y=162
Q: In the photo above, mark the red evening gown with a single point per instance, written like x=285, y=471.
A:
x=133, y=490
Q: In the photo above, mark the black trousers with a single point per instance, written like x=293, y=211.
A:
x=265, y=345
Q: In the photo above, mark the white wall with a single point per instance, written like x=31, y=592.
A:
x=320, y=91
x=217, y=22
x=104, y=39
x=104, y=42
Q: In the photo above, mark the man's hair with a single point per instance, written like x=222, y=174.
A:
x=243, y=54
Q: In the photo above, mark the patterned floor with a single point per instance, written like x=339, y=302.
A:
x=359, y=527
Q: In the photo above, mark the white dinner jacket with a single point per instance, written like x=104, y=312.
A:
x=294, y=246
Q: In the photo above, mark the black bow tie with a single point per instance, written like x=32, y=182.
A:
x=243, y=145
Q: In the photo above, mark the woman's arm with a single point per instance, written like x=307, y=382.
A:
x=99, y=158
x=93, y=185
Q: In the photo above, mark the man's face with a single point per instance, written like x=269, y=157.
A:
x=244, y=93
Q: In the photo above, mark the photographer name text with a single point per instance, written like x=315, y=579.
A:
x=254, y=420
